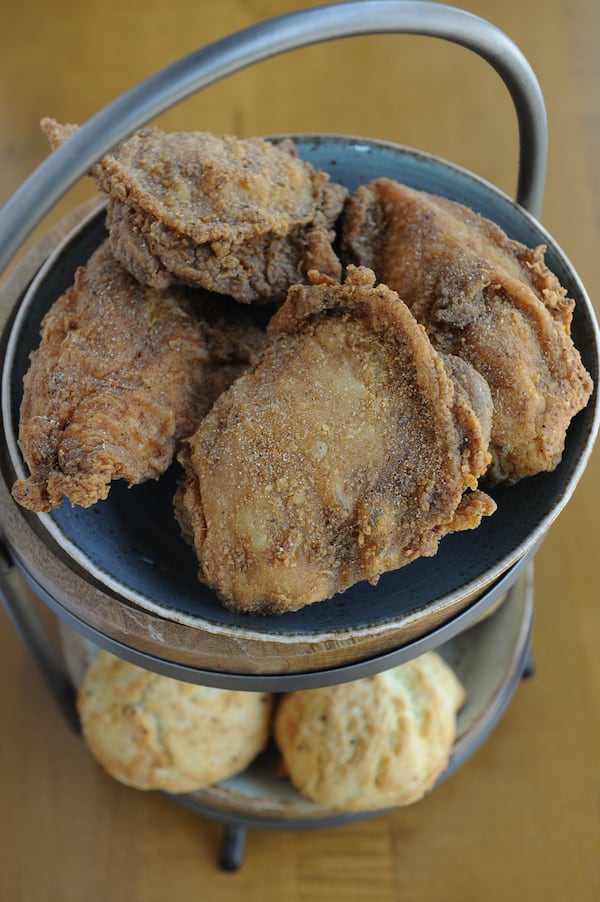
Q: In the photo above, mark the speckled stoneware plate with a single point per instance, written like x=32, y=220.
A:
x=489, y=659
x=122, y=571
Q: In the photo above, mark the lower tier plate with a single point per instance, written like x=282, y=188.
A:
x=489, y=658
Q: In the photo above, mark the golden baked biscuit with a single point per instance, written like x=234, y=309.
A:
x=377, y=742
x=154, y=732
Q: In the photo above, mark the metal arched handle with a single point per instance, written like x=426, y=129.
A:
x=61, y=169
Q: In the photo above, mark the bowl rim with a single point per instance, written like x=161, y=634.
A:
x=71, y=556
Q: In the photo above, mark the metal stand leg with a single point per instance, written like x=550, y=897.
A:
x=31, y=628
x=529, y=668
x=233, y=846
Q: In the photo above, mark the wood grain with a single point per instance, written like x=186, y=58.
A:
x=521, y=819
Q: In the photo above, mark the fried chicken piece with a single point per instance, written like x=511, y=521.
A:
x=346, y=452
x=486, y=298
x=245, y=218
x=121, y=375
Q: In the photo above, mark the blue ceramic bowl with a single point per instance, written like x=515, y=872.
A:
x=129, y=547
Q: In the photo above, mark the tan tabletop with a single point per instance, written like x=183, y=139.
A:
x=521, y=819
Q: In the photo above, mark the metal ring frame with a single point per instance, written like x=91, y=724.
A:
x=61, y=169
x=40, y=192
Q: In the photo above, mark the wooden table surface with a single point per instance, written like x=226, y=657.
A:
x=521, y=819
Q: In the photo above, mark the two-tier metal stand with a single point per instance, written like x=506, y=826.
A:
x=121, y=578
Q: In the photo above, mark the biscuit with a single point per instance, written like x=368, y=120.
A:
x=377, y=742
x=154, y=732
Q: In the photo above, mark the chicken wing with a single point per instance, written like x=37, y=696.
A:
x=349, y=450
x=121, y=375
x=245, y=218
x=489, y=300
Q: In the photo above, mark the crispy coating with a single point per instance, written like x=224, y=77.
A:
x=371, y=743
x=348, y=451
x=122, y=373
x=489, y=300
x=245, y=218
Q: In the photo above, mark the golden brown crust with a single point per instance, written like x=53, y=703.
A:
x=348, y=451
x=245, y=218
x=372, y=743
x=487, y=299
x=121, y=375
x=154, y=732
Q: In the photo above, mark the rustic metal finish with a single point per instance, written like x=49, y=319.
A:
x=43, y=189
